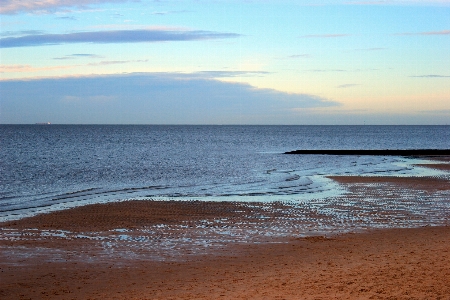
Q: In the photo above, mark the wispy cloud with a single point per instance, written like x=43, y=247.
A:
x=337, y=35
x=21, y=32
x=151, y=98
x=375, y=2
x=116, y=36
x=430, y=76
x=116, y=62
x=69, y=18
x=400, y=2
x=371, y=49
x=29, y=68
x=442, y=32
x=295, y=56
x=299, y=56
x=347, y=85
x=47, y=6
x=163, y=13
x=327, y=70
x=78, y=55
x=52, y=6
x=340, y=70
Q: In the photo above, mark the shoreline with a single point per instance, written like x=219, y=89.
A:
x=441, y=165
x=232, y=250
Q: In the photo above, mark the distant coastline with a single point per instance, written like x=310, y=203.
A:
x=393, y=152
x=43, y=123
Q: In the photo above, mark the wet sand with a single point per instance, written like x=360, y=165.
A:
x=443, y=167
x=224, y=250
x=430, y=184
x=384, y=264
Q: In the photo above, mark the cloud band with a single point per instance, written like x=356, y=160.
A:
x=46, y=6
x=150, y=98
x=114, y=36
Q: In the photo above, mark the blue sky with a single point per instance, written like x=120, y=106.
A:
x=225, y=62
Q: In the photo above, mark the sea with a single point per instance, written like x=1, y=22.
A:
x=52, y=167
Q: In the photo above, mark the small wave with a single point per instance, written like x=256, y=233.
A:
x=98, y=191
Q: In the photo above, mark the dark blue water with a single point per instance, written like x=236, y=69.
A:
x=47, y=167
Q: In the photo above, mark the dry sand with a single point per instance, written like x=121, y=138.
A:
x=71, y=255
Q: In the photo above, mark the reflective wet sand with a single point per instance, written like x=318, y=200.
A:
x=207, y=250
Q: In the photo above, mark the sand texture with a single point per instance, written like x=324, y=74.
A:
x=383, y=264
x=226, y=250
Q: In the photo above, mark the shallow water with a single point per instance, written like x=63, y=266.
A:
x=359, y=207
x=45, y=168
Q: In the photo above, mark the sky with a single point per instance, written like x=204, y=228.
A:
x=305, y=62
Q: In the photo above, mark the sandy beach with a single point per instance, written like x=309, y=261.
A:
x=224, y=149
x=226, y=250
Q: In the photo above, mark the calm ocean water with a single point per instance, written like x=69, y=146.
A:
x=52, y=167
